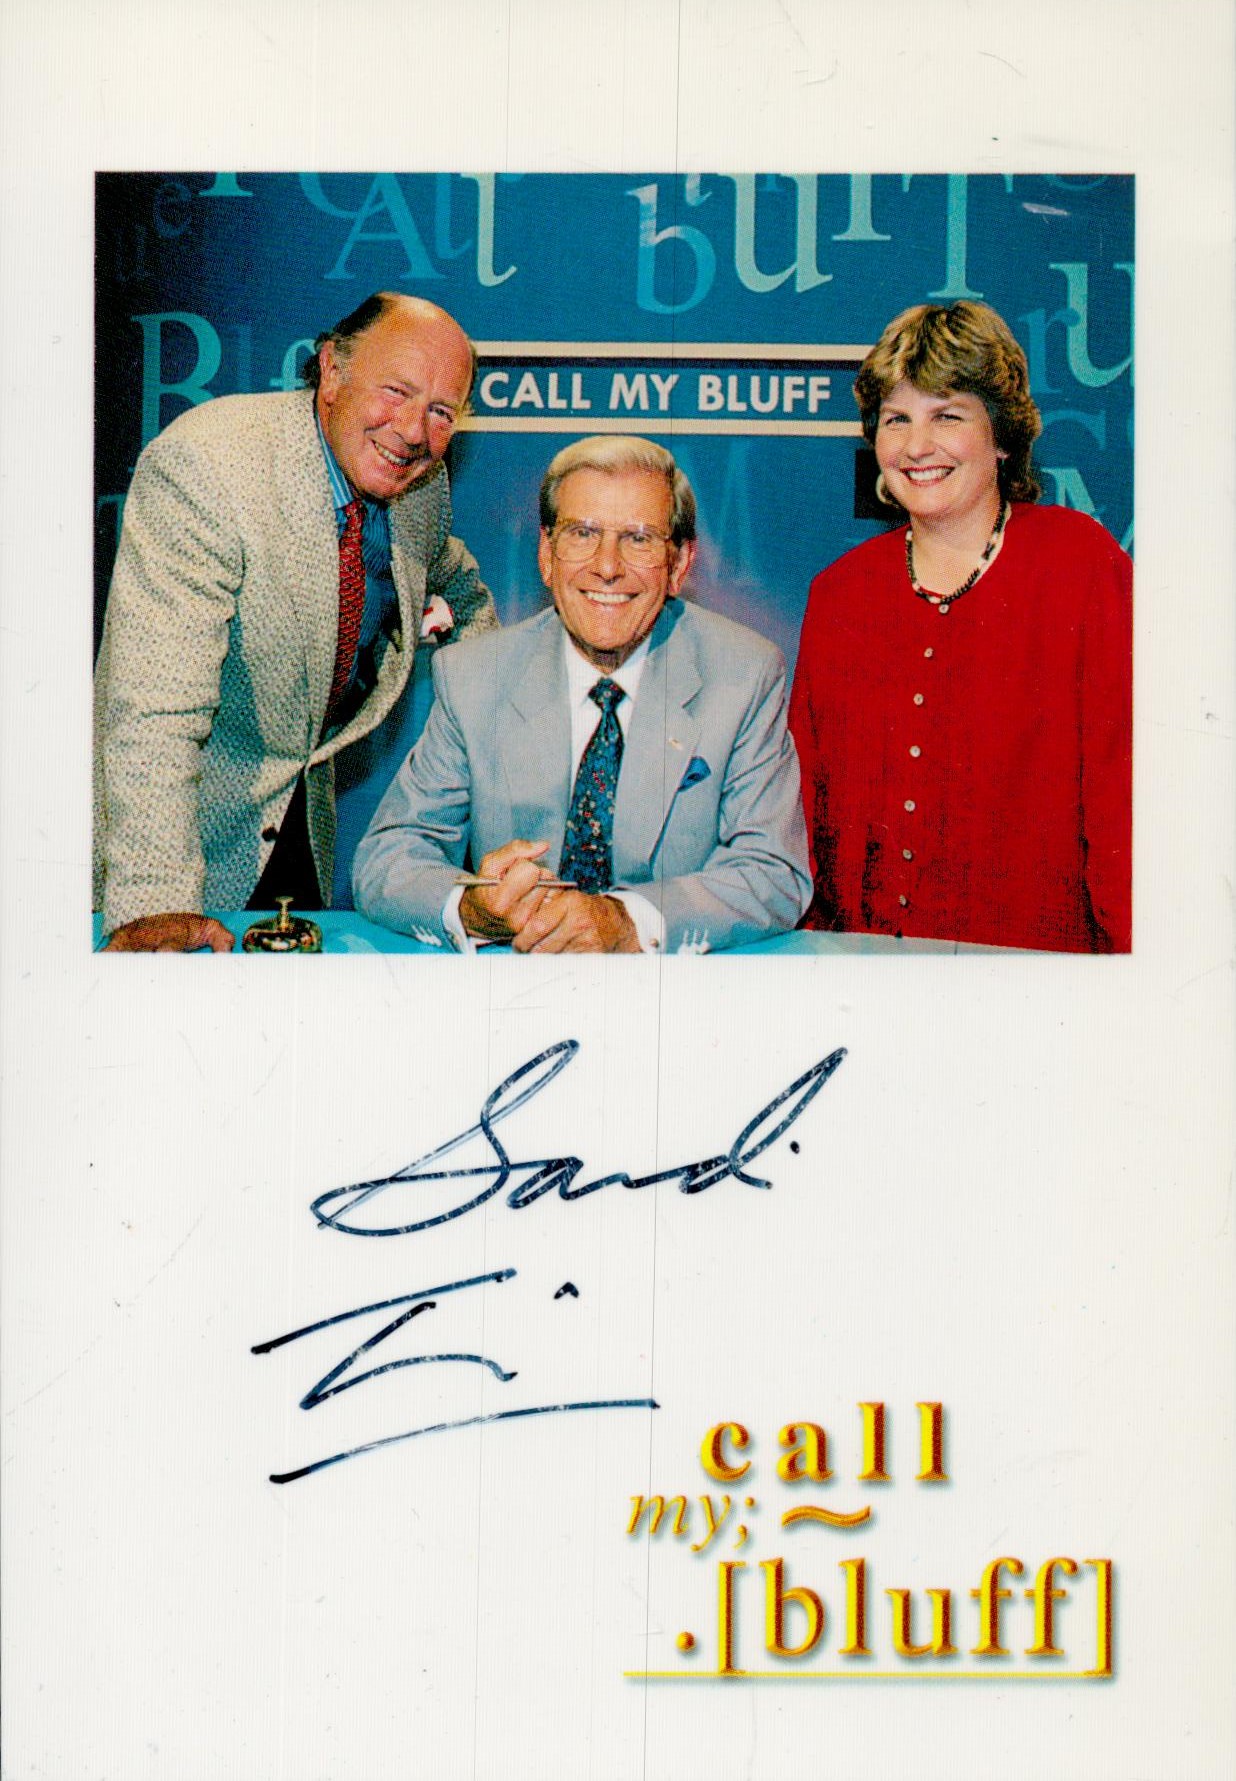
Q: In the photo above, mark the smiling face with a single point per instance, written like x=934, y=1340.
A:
x=389, y=406
x=607, y=606
x=938, y=456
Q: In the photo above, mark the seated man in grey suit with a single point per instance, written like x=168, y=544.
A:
x=617, y=769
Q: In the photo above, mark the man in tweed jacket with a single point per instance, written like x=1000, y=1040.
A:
x=219, y=648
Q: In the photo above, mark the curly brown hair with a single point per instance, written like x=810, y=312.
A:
x=967, y=348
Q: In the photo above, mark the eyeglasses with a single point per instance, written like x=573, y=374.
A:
x=577, y=540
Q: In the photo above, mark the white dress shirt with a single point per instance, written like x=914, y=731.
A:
x=582, y=675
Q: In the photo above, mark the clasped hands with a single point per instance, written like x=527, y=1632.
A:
x=534, y=916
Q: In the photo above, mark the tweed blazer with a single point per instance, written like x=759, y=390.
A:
x=708, y=821
x=219, y=646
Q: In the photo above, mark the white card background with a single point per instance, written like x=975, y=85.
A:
x=1013, y=1197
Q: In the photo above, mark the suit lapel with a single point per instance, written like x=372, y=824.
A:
x=536, y=746
x=660, y=743
x=410, y=551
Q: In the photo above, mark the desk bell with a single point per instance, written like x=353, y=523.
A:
x=284, y=933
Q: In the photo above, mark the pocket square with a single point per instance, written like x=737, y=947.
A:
x=437, y=619
x=697, y=769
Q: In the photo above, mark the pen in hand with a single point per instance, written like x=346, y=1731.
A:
x=470, y=881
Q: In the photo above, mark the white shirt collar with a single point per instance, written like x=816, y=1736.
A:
x=582, y=675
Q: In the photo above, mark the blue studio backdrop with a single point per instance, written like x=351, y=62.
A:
x=722, y=314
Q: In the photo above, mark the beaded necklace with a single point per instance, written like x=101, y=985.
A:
x=942, y=602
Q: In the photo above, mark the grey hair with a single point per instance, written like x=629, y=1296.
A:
x=613, y=454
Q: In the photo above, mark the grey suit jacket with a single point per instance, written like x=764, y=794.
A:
x=708, y=821
x=219, y=646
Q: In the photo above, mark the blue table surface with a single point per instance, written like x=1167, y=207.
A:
x=344, y=931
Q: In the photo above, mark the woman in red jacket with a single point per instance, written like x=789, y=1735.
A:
x=961, y=703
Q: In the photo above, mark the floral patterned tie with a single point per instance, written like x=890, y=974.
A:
x=351, y=602
x=587, y=848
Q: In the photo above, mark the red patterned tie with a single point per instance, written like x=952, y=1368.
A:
x=351, y=603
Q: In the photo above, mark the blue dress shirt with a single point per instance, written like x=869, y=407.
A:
x=381, y=613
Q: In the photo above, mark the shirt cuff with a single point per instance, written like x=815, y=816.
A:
x=646, y=918
x=452, y=921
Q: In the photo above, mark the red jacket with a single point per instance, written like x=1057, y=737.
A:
x=967, y=775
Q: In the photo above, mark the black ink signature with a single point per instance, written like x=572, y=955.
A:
x=466, y=1422
x=532, y=1179
x=418, y=1302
